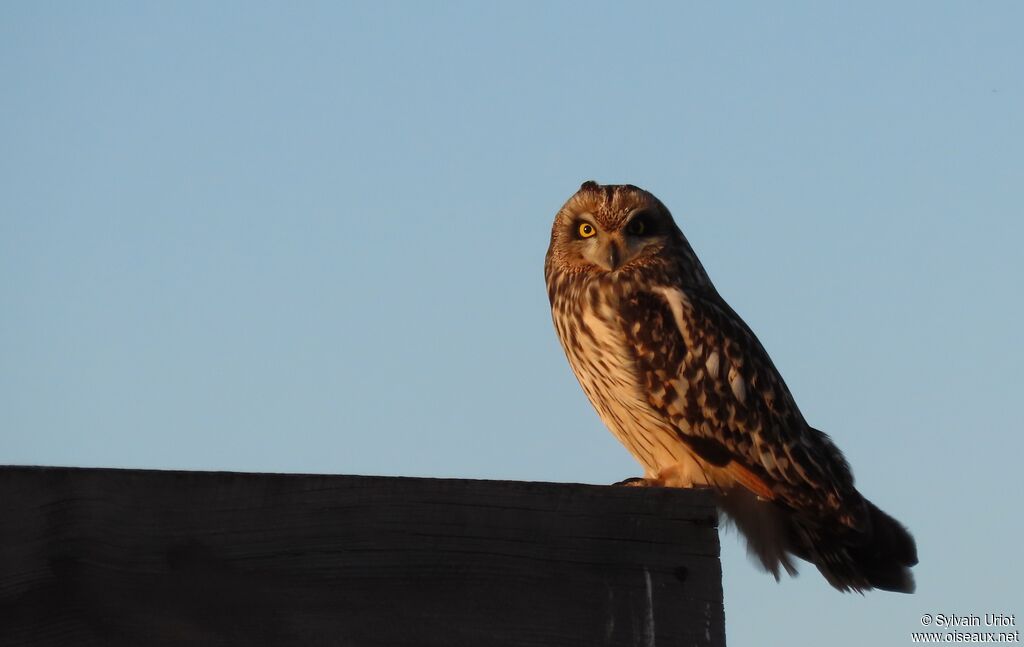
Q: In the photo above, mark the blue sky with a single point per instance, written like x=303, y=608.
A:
x=309, y=238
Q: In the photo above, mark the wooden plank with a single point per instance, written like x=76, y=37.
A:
x=131, y=557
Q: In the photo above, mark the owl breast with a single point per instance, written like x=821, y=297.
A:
x=592, y=333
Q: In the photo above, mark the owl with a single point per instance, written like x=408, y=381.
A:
x=685, y=385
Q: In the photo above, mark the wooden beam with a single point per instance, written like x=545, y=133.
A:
x=134, y=557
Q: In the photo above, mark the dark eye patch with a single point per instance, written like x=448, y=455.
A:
x=642, y=224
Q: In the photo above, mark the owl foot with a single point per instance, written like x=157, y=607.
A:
x=638, y=481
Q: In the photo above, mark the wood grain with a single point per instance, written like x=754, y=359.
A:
x=132, y=557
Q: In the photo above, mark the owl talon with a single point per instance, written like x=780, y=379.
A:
x=637, y=481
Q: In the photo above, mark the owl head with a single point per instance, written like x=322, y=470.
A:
x=602, y=229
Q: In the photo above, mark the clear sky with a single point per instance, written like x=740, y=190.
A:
x=309, y=237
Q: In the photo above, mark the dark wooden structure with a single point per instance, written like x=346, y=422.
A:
x=131, y=557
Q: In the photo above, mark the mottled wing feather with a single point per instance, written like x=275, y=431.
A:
x=706, y=372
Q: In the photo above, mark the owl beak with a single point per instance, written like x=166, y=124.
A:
x=614, y=256
x=608, y=255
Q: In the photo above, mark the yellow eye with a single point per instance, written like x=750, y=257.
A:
x=586, y=230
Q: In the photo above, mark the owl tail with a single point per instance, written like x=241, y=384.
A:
x=878, y=558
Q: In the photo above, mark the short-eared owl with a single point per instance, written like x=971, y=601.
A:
x=685, y=385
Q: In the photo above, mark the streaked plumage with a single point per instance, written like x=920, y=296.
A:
x=685, y=385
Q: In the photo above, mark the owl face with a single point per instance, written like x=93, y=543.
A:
x=606, y=228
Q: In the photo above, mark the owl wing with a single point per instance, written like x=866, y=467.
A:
x=706, y=372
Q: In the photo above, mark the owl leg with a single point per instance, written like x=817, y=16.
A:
x=682, y=475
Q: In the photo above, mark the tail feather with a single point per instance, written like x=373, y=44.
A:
x=886, y=559
x=879, y=557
